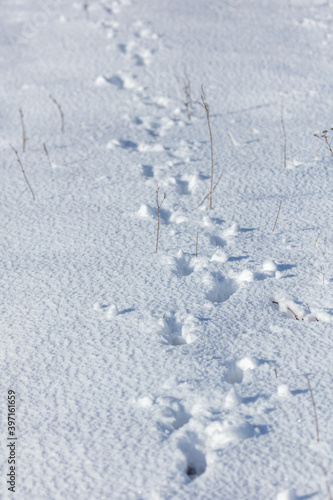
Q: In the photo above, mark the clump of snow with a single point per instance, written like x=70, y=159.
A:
x=289, y=494
x=145, y=402
x=231, y=231
x=269, y=265
x=163, y=102
x=111, y=312
x=246, y=276
x=100, y=81
x=219, y=256
x=248, y=363
x=283, y=390
x=146, y=211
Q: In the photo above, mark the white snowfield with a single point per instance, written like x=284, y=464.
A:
x=205, y=370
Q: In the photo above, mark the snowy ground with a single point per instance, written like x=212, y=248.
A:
x=151, y=376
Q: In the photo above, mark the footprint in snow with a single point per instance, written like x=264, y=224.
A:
x=184, y=184
x=195, y=463
x=225, y=236
x=183, y=264
x=177, y=331
x=219, y=288
x=108, y=311
x=121, y=81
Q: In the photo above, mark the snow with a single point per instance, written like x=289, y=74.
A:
x=179, y=374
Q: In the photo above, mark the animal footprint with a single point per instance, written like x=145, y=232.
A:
x=108, y=311
x=183, y=264
x=219, y=287
x=196, y=463
x=173, y=412
x=177, y=332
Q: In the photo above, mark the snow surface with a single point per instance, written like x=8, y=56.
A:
x=170, y=375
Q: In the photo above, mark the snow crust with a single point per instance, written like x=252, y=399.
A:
x=179, y=374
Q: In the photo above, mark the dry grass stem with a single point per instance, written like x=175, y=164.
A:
x=47, y=154
x=86, y=9
x=292, y=312
x=158, y=215
x=327, y=482
x=24, y=135
x=206, y=108
x=277, y=216
x=285, y=141
x=314, y=407
x=188, y=99
x=205, y=198
x=324, y=138
x=315, y=243
x=61, y=113
x=23, y=172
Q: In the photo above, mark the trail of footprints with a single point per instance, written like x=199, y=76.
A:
x=197, y=430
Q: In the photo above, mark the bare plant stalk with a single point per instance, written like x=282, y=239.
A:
x=277, y=216
x=290, y=310
x=61, y=113
x=47, y=154
x=314, y=407
x=86, y=9
x=196, y=245
x=24, y=136
x=205, y=198
x=292, y=156
x=315, y=243
x=324, y=137
x=206, y=108
x=23, y=172
x=188, y=99
x=285, y=141
x=311, y=313
x=327, y=482
x=158, y=214
x=275, y=370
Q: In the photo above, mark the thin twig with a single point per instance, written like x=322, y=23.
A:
x=295, y=315
x=324, y=137
x=205, y=198
x=277, y=216
x=316, y=240
x=188, y=99
x=311, y=313
x=47, y=154
x=158, y=214
x=285, y=141
x=314, y=407
x=327, y=482
x=86, y=9
x=23, y=172
x=24, y=136
x=206, y=108
x=61, y=113
x=288, y=308
x=196, y=245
